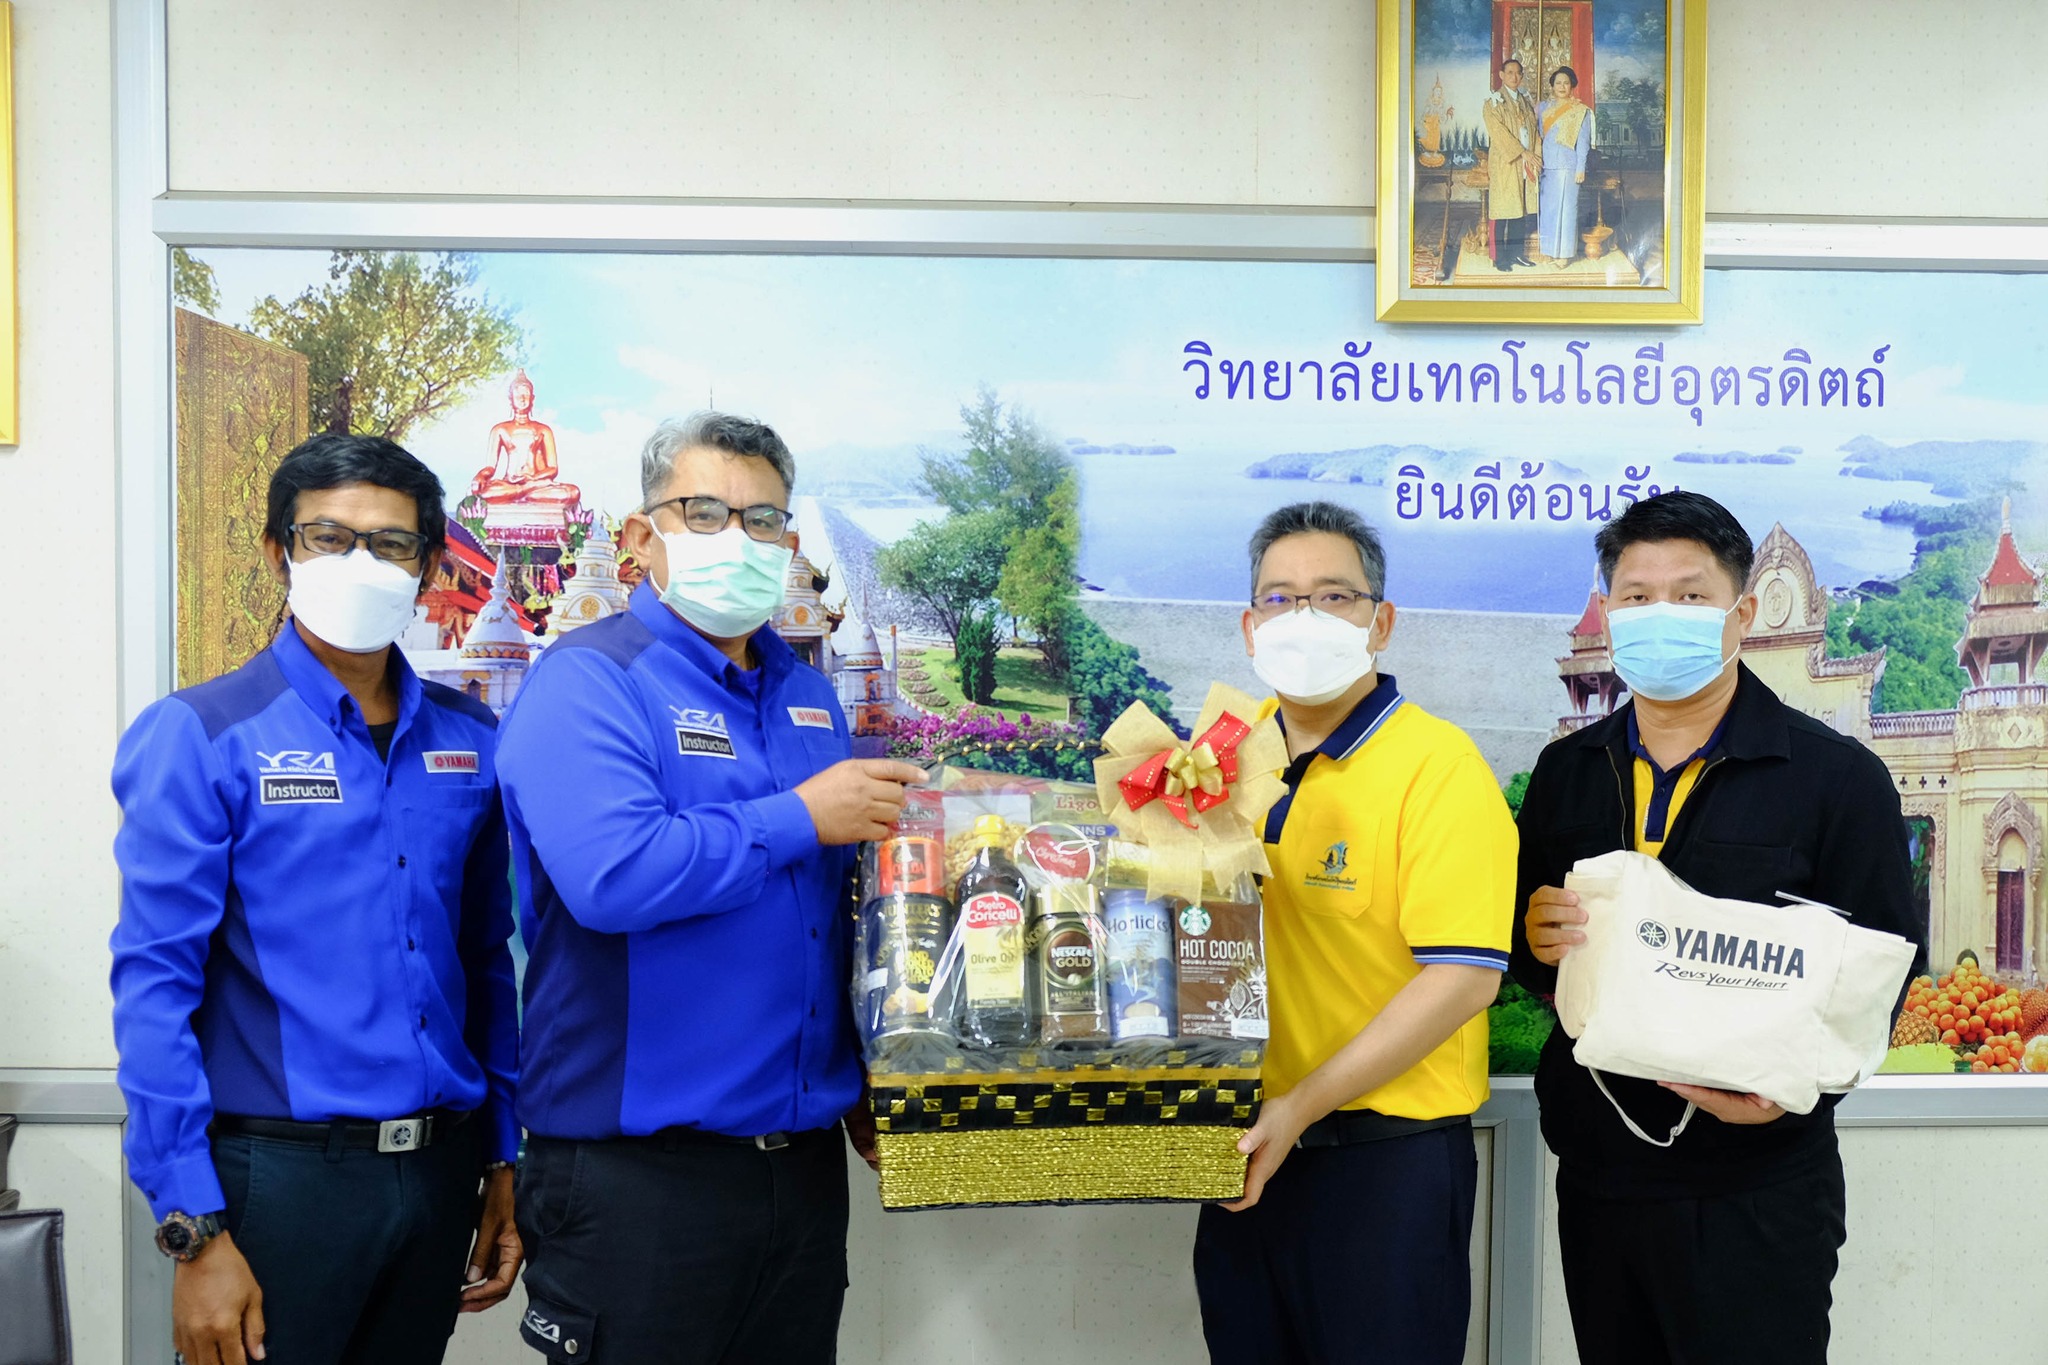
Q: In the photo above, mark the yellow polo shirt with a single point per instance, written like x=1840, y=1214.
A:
x=1394, y=849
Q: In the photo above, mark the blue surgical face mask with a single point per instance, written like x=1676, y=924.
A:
x=1665, y=651
x=727, y=584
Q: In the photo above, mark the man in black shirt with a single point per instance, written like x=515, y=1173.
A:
x=1722, y=1246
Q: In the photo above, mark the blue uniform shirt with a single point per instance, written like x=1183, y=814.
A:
x=687, y=946
x=307, y=931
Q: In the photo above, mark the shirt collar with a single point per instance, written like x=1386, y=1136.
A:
x=1756, y=724
x=1365, y=718
x=776, y=657
x=1636, y=746
x=324, y=693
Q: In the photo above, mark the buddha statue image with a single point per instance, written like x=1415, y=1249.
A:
x=1433, y=116
x=523, y=466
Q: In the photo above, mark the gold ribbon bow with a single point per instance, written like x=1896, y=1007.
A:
x=1198, y=808
x=1194, y=770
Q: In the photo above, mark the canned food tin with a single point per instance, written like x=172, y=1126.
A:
x=903, y=938
x=1140, y=965
x=910, y=865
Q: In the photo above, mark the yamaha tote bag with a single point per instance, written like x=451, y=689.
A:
x=1786, y=1001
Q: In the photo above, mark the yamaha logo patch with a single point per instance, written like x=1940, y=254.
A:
x=451, y=760
x=816, y=717
x=702, y=733
x=293, y=777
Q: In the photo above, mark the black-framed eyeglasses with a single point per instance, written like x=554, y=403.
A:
x=707, y=516
x=1329, y=601
x=327, y=538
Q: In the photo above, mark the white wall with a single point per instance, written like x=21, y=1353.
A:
x=57, y=701
x=1884, y=108
x=57, y=691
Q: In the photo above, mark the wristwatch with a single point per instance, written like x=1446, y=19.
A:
x=182, y=1237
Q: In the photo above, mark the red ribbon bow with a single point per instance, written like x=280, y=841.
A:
x=1175, y=775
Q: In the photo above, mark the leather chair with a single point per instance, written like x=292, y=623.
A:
x=9, y=1199
x=33, y=1309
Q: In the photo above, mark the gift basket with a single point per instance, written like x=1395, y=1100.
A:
x=1061, y=987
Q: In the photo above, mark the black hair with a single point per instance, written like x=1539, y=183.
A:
x=333, y=460
x=1678, y=515
x=720, y=431
x=1326, y=518
x=1567, y=73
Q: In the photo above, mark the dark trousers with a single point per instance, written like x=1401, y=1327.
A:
x=648, y=1252
x=1355, y=1253
x=360, y=1254
x=1740, y=1279
x=1511, y=238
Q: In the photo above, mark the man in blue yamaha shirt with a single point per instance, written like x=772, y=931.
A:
x=683, y=812
x=313, y=994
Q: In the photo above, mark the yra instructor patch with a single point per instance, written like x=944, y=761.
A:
x=701, y=732
x=817, y=717
x=292, y=777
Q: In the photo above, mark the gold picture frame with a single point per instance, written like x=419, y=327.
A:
x=1448, y=248
x=10, y=323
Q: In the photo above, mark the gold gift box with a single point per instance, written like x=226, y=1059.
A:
x=1097, y=1134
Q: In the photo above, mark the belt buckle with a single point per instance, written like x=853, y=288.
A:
x=772, y=1142
x=404, y=1135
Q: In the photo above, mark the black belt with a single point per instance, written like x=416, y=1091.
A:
x=409, y=1134
x=1348, y=1126
x=671, y=1139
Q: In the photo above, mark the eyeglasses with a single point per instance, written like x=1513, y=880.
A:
x=1330, y=601
x=708, y=516
x=326, y=538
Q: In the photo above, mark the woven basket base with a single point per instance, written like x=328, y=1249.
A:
x=1080, y=1165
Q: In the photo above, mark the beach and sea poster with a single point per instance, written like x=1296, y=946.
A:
x=1024, y=489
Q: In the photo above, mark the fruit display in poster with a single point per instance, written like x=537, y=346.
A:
x=2034, y=1013
x=1913, y=1030
x=1984, y=1020
x=1920, y=1059
x=2034, y=1057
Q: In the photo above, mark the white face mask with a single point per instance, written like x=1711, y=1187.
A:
x=1310, y=657
x=355, y=602
x=726, y=584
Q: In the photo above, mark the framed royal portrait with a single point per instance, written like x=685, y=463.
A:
x=1541, y=161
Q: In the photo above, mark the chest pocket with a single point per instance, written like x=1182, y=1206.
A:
x=439, y=828
x=1331, y=864
x=822, y=748
x=1744, y=872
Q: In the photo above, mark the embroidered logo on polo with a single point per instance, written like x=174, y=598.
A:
x=701, y=732
x=815, y=717
x=1329, y=874
x=451, y=760
x=297, y=777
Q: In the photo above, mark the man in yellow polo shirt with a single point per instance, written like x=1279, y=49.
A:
x=1387, y=923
